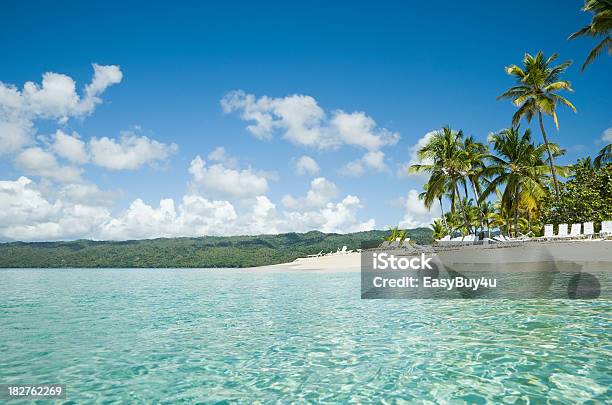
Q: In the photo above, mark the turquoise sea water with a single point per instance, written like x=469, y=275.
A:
x=196, y=335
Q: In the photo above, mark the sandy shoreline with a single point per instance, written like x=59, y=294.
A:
x=349, y=262
x=587, y=255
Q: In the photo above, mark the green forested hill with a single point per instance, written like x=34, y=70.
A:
x=207, y=251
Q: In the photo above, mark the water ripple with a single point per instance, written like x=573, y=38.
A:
x=168, y=336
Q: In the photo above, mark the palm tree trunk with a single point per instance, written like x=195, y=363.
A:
x=467, y=199
x=516, y=232
x=550, y=156
x=516, y=211
x=528, y=222
x=442, y=211
x=480, y=215
x=465, y=214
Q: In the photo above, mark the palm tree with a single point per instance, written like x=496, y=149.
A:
x=475, y=155
x=536, y=93
x=439, y=229
x=454, y=222
x=500, y=219
x=583, y=163
x=434, y=190
x=487, y=210
x=445, y=160
x=394, y=234
x=600, y=26
x=604, y=157
x=521, y=167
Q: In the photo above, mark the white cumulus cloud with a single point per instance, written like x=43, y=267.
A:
x=130, y=152
x=303, y=122
x=70, y=147
x=30, y=211
x=195, y=216
x=317, y=210
x=337, y=217
x=55, y=98
x=321, y=192
x=221, y=180
x=374, y=160
x=306, y=165
x=25, y=214
x=415, y=213
x=403, y=169
x=38, y=162
x=606, y=136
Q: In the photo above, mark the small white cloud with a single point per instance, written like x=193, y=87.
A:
x=321, y=192
x=403, y=169
x=338, y=217
x=606, y=136
x=37, y=162
x=14, y=135
x=415, y=213
x=104, y=76
x=357, y=129
x=374, y=160
x=219, y=180
x=306, y=165
x=318, y=211
x=220, y=155
x=130, y=152
x=70, y=147
x=297, y=115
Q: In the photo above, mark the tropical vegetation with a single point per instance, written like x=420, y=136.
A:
x=599, y=27
x=512, y=184
x=535, y=93
x=206, y=252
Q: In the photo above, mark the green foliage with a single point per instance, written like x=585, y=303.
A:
x=599, y=27
x=520, y=166
x=208, y=251
x=393, y=234
x=584, y=198
x=439, y=230
x=396, y=233
x=535, y=93
x=537, y=85
x=451, y=163
x=604, y=157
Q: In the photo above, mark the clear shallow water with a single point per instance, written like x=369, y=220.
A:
x=167, y=336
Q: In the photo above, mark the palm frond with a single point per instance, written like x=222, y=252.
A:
x=595, y=52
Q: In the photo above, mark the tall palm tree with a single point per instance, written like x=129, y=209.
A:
x=434, y=190
x=599, y=27
x=475, y=155
x=604, y=157
x=536, y=93
x=521, y=167
x=486, y=207
x=444, y=155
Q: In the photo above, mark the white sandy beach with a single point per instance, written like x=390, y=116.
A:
x=349, y=262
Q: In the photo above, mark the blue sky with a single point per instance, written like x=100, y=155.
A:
x=411, y=68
